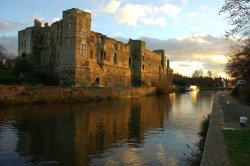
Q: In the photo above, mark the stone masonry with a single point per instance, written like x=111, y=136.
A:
x=80, y=57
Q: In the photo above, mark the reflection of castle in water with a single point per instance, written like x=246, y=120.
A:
x=91, y=129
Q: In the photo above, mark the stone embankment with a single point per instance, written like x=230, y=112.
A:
x=44, y=94
x=214, y=153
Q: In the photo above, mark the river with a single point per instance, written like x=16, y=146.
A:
x=141, y=131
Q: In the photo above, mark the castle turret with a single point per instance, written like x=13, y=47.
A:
x=137, y=48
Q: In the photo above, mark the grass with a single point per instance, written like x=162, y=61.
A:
x=238, y=146
x=9, y=77
x=7, y=74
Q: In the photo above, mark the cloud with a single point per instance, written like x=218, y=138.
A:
x=189, y=53
x=10, y=43
x=184, y=2
x=112, y=6
x=192, y=14
x=159, y=21
x=131, y=14
x=8, y=26
x=170, y=10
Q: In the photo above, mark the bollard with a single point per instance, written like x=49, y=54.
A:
x=243, y=121
x=228, y=103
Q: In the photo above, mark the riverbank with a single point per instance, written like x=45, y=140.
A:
x=214, y=151
x=223, y=118
x=54, y=94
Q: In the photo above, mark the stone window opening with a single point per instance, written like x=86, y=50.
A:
x=115, y=58
x=101, y=55
x=104, y=55
x=114, y=46
x=92, y=38
x=97, y=80
x=142, y=67
x=101, y=40
x=83, y=34
x=83, y=49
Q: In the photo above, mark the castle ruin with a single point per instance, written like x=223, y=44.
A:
x=78, y=56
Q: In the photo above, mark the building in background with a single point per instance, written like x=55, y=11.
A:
x=78, y=56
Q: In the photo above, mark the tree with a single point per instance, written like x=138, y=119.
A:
x=21, y=65
x=238, y=65
x=197, y=73
x=238, y=14
x=209, y=73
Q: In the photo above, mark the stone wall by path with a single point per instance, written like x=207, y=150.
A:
x=45, y=94
x=214, y=153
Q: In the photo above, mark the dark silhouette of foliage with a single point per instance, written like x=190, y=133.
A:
x=238, y=65
x=238, y=12
x=21, y=65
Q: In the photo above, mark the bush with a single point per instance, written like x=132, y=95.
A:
x=22, y=65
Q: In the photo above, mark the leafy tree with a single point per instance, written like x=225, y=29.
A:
x=238, y=12
x=238, y=65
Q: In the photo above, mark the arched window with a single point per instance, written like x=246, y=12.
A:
x=115, y=58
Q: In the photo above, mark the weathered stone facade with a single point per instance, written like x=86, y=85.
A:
x=77, y=56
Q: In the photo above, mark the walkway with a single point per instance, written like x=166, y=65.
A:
x=223, y=117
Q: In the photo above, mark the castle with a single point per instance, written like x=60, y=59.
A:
x=78, y=56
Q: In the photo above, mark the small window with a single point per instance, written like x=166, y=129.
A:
x=83, y=34
x=104, y=55
x=114, y=46
x=92, y=39
x=83, y=49
x=142, y=67
x=115, y=58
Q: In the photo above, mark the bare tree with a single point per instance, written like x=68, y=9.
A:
x=238, y=65
x=197, y=73
x=210, y=73
x=238, y=12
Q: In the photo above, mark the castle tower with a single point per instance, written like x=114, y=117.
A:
x=137, y=48
x=76, y=26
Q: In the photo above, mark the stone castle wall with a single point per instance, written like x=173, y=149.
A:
x=44, y=94
x=77, y=56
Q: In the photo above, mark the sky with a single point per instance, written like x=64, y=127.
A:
x=191, y=31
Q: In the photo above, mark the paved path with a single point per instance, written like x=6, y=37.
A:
x=234, y=111
x=223, y=117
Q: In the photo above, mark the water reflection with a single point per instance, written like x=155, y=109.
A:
x=150, y=130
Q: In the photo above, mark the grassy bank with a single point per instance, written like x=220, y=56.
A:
x=238, y=146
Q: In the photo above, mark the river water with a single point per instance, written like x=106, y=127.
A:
x=141, y=131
